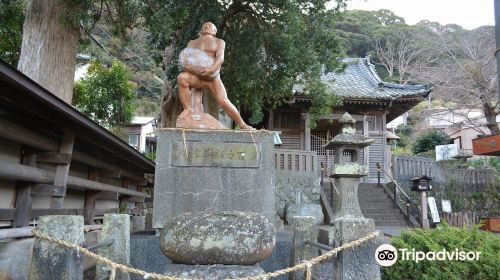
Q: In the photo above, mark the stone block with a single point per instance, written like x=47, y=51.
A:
x=209, y=170
x=218, y=271
x=220, y=237
x=117, y=228
x=138, y=223
x=15, y=256
x=282, y=255
x=52, y=261
x=145, y=253
x=291, y=189
x=313, y=210
x=326, y=235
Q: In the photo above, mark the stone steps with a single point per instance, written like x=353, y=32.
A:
x=375, y=204
x=385, y=217
x=401, y=223
x=378, y=210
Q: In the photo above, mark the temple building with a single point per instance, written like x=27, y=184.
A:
x=371, y=102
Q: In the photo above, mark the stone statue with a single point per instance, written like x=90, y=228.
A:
x=201, y=61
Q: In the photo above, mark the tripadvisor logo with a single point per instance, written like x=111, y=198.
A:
x=387, y=255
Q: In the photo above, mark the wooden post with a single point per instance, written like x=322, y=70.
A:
x=425, y=220
x=90, y=198
x=307, y=132
x=23, y=197
x=62, y=170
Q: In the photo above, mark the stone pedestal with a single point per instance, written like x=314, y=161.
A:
x=347, y=205
x=358, y=263
x=208, y=170
x=348, y=225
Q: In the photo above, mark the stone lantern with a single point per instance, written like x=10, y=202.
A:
x=349, y=223
x=462, y=157
x=348, y=146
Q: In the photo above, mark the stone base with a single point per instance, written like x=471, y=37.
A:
x=209, y=170
x=359, y=262
x=212, y=271
x=198, y=121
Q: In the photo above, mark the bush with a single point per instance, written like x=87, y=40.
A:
x=429, y=140
x=489, y=162
x=448, y=238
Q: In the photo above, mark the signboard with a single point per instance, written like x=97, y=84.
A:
x=446, y=152
x=434, y=211
x=215, y=154
x=446, y=205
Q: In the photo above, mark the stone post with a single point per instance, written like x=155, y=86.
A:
x=52, y=261
x=304, y=228
x=117, y=228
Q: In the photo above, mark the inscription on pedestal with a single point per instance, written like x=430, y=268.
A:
x=211, y=154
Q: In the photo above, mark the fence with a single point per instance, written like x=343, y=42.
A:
x=453, y=184
x=295, y=161
x=461, y=219
x=464, y=180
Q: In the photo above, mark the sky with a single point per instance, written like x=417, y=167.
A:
x=467, y=13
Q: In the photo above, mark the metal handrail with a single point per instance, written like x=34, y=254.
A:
x=408, y=199
x=318, y=245
x=395, y=183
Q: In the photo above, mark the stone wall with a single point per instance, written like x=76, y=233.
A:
x=288, y=187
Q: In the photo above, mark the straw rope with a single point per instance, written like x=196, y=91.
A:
x=307, y=265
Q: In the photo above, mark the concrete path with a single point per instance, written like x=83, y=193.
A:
x=391, y=230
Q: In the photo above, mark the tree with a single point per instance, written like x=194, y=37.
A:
x=268, y=45
x=429, y=140
x=11, y=25
x=51, y=32
x=359, y=30
x=398, y=53
x=460, y=65
x=106, y=94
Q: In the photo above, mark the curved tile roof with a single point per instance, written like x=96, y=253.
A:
x=360, y=81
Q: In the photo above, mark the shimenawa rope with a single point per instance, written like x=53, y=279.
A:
x=307, y=265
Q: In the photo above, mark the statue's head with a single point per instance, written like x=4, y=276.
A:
x=208, y=28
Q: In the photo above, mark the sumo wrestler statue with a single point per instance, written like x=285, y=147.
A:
x=201, y=61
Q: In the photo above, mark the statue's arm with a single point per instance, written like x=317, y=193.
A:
x=219, y=56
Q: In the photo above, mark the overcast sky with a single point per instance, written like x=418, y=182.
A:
x=467, y=13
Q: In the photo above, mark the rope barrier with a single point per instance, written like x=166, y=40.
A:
x=307, y=265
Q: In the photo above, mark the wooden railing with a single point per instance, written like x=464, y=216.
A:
x=406, y=167
x=469, y=180
x=296, y=162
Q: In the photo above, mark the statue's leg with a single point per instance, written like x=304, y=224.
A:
x=219, y=93
x=186, y=81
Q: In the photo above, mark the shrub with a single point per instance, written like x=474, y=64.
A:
x=487, y=162
x=429, y=140
x=448, y=238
